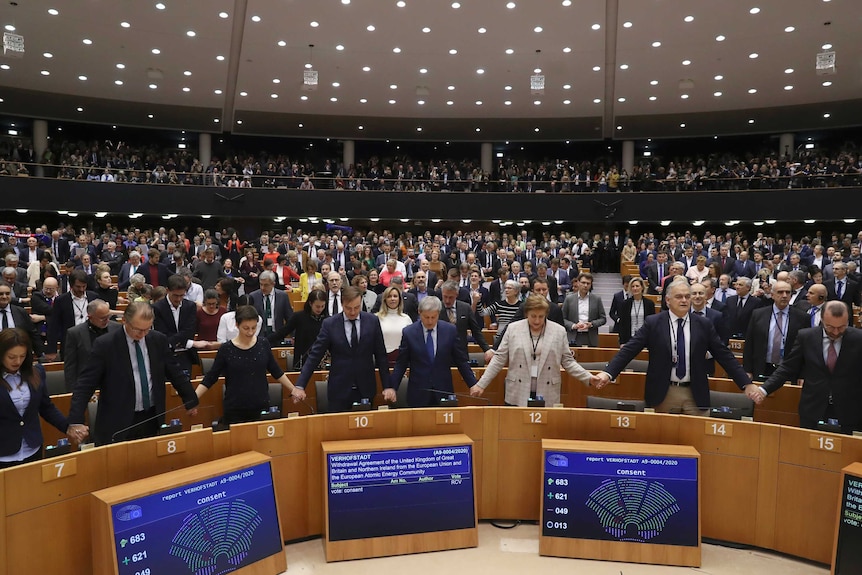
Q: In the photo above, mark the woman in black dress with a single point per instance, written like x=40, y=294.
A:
x=304, y=325
x=244, y=361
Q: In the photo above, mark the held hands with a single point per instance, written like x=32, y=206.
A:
x=754, y=394
x=192, y=412
x=77, y=432
x=599, y=380
x=389, y=395
x=477, y=391
x=489, y=354
x=298, y=394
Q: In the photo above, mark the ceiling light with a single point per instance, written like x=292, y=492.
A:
x=450, y=88
x=156, y=51
x=361, y=127
x=87, y=41
x=752, y=90
x=536, y=129
x=567, y=102
x=276, y=81
x=624, y=66
x=191, y=33
x=216, y=120
x=370, y=28
x=121, y=66
x=653, y=83
x=720, y=38
x=478, y=129
x=507, y=103
x=510, y=5
x=789, y=29
x=653, y=98
x=621, y=100
x=751, y=120
x=754, y=10
x=10, y=27
x=363, y=101
x=682, y=125
x=423, y=70
x=482, y=30
x=478, y=102
x=627, y=24
x=596, y=68
x=456, y=5
x=255, y=18
x=393, y=86
x=421, y=102
x=45, y=73
x=333, y=99
x=788, y=88
x=753, y=55
x=418, y=128
x=537, y=70
x=426, y=30
x=217, y=92
x=336, y=84
x=220, y=58
x=48, y=55
x=160, y=6
x=449, y=102
x=153, y=86
x=303, y=97
x=566, y=50
x=150, y=116
x=340, y=47
x=827, y=46
x=656, y=44
x=80, y=109
x=82, y=78
x=276, y=96
x=507, y=88
x=480, y=71
x=684, y=96
x=391, y=101
x=619, y=127
x=597, y=101
x=689, y=19
x=396, y=49
x=401, y=3
x=125, y=25
x=537, y=102
x=223, y=14
x=567, y=86
x=53, y=12
x=118, y=82
x=826, y=84
x=596, y=26
x=509, y=51
x=314, y=24
x=537, y=29
x=453, y=51
x=718, y=78
x=717, y=94
x=4, y=66
x=686, y=62
x=186, y=89
x=827, y=115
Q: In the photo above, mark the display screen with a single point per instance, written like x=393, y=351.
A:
x=614, y=497
x=211, y=527
x=383, y=493
x=848, y=557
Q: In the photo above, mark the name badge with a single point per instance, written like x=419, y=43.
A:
x=270, y=321
x=534, y=371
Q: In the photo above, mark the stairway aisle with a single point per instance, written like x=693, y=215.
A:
x=605, y=286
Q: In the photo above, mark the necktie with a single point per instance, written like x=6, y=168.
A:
x=840, y=289
x=698, y=313
x=267, y=313
x=451, y=312
x=813, y=313
x=429, y=345
x=831, y=357
x=660, y=273
x=354, y=335
x=741, y=303
x=6, y=318
x=334, y=304
x=723, y=295
x=680, y=349
x=142, y=371
x=776, y=338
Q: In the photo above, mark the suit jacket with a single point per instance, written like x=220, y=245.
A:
x=757, y=337
x=614, y=313
x=349, y=367
x=177, y=336
x=162, y=273
x=62, y=251
x=62, y=319
x=655, y=336
x=806, y=361
x=282, y=309
x=14, y=427
x=744, y=268
x=496, y=291
x=24, y=257
x=110, y=370
x=516, y=350
x=428, y=291
x=411, y=305
x=76, y=351
x=625, y=317
x=125, y=274
x=465, y=320
x=553, y=291
x=719, y=322
x=729, y=266
x=427, y=374
x=596, y=315
x=850, y=294
x=22, y=320
x=653, y=276
x=113, y=259
x=738, y=319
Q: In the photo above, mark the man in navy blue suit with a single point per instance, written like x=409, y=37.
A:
x=355, y=344
x=429, y=348
x=676, y=379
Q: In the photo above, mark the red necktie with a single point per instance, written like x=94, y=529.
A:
x=831, y=357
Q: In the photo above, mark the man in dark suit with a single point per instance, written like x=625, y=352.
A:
x=79, y=340
x=797, y=280
x=30, y=253
x=725, y=262
x=271, y=304
x=112, y=258
x=88, y=268
x=176, y=317
x=739, y=307
x=430, y=348
x=583, y=325
x=20, y=293
x=462, y=316
x=497, y=288
x=744, y=266
x=842, y=288
x=425, y=266
x=155, y=273
x=420, y=288
x=676, y=379
x=70, y=309
x=355, y=344
x=553, y=288
x=130, y=367
x=488, y=260
x=829, y=359
x=15, y=316
x=815, y=300
x=617, y=302
x=128, y=269
x=771, y=333
x=656, y=273
x=59, y=246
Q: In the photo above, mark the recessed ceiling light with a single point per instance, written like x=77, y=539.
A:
x=276, y=81
x=340, y=47
x=239, y=121
x=682, y=125
x=480, y=71
x=718, y=78
x=159, y=6
x=717, y=94
x=621, y=100
x=624, y=66
x=156, y=51
x=303, y=97
x=333, y=99
x=361, y=127
x=567, y=86
x=87, y=41
x=753, y=55
x=478, y=129
x=478, y=102
x=82, y=78
x=426, y=30
x=627, y=24
x=336, y=84
x=482, y=30
x=314, y=24
x=223, y=15
x=449, y=102
x=684, y=96
x=788, y=88
x=790, y=29
x=186, y=89
x=187, y=73
x=754, y=10
x=118, y=82
x=567, y=102
x=393, y=86
x=456, y=5
x=153, y=86
x=596, y=68
x=827, y=115
x=826, y=84
x=752, y=90
x=827, y=46
x=596, y=26
x=619, y=127
x=125, y=25
x=191, y=33
x=537, y=70
x=220, y=58
x=656, y=44
x=48, y=55
x=418, y=128
x=391, y=101
x=510, y=5
x=421, y=102
x=720, y=38
x=536, y=129
x=363, y=101
x=689, y=19
x=567, y=3
x=510, y=51
x=53, y=12
x=597, y=101
x=507, y=88
x=537, y=102
x=300, y=125
x=273, y=95
x=396, y=49
x=686, y=62
x=537, y=29
x=788, y=71
x=150, y=116
x=243, y=94
x=653, y=83
x=45, y=73
x=282, y=43
x=566, y=50
x=80, y=109
x=217, y=92
x=652, y=98
x=450, y=88
x=423, y=70
x=121, y=66
x=751, y=121
x=255, y=18
x=507, y=103
x=10, y=27
x=401, y=3
x=216, y=120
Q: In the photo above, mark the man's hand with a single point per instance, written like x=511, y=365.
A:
x=50, y=357
x=489, y=354
x=754, y=394
x=298, y=394
x=389, y=395
x=477, y=390
x=78, y=432
x=599, y=380
x=201, y=344
x=192, y=412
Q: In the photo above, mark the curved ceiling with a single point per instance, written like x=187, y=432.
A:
x=428, y=69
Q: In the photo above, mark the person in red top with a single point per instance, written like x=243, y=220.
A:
x=284, y=273
x=208, y=318
x=390, y=272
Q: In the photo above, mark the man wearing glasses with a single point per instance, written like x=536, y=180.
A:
x=129, y=367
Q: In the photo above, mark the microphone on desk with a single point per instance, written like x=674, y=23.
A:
x=147, y=420
x=466, y=395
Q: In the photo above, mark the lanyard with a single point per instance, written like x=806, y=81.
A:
x=535, y=343
x=782, y=330
x=675, y=337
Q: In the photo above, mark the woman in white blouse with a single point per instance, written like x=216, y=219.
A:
x=227, y=329
x=393, y=320
x=634, y=310
x=698, y=271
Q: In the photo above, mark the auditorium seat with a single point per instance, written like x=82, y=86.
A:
x=322, y=401
x=276, y=395
x=401, y=400
x=56, y=382
x=92, y=410
x=594, y=402
x=206, y=364
x=479, y=359
x=738, y=401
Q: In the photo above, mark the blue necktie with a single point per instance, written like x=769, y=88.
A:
x=840, y=289
x=429, y=345
x=680, y=349
x=142, y=371
x=812, y=313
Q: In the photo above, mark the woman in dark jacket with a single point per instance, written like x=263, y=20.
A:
x=634, y=310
